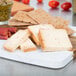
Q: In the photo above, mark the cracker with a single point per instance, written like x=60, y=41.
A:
x=40, y=16
x=18, y=6
x=22, y=16
x=13, y=22
x=59, y=22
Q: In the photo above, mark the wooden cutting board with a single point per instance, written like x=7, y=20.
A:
x=74, y=6
x=73, y=41
x=18, y=27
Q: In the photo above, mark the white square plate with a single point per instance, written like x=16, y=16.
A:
x=46, y=59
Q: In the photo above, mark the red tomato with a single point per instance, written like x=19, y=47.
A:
x=53, y=4
x=40, y=1
x=66, y=6
x=16, y=0
x=26, y=1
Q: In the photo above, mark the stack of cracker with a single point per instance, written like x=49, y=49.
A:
x=21, y=19
x=39, y=16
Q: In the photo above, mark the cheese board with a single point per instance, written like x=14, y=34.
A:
x=45, y=59
x=38, y=57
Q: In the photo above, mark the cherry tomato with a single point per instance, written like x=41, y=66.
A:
x=66, y=6
x=26, y=1
x=40, y=1
x=53, y=4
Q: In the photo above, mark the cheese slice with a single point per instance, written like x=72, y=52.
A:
x=54, y=40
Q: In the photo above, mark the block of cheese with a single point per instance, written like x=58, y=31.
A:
x=34, y=30
x=27, y=46
x=15, y=40
x=54, y=40
x=18, y=6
